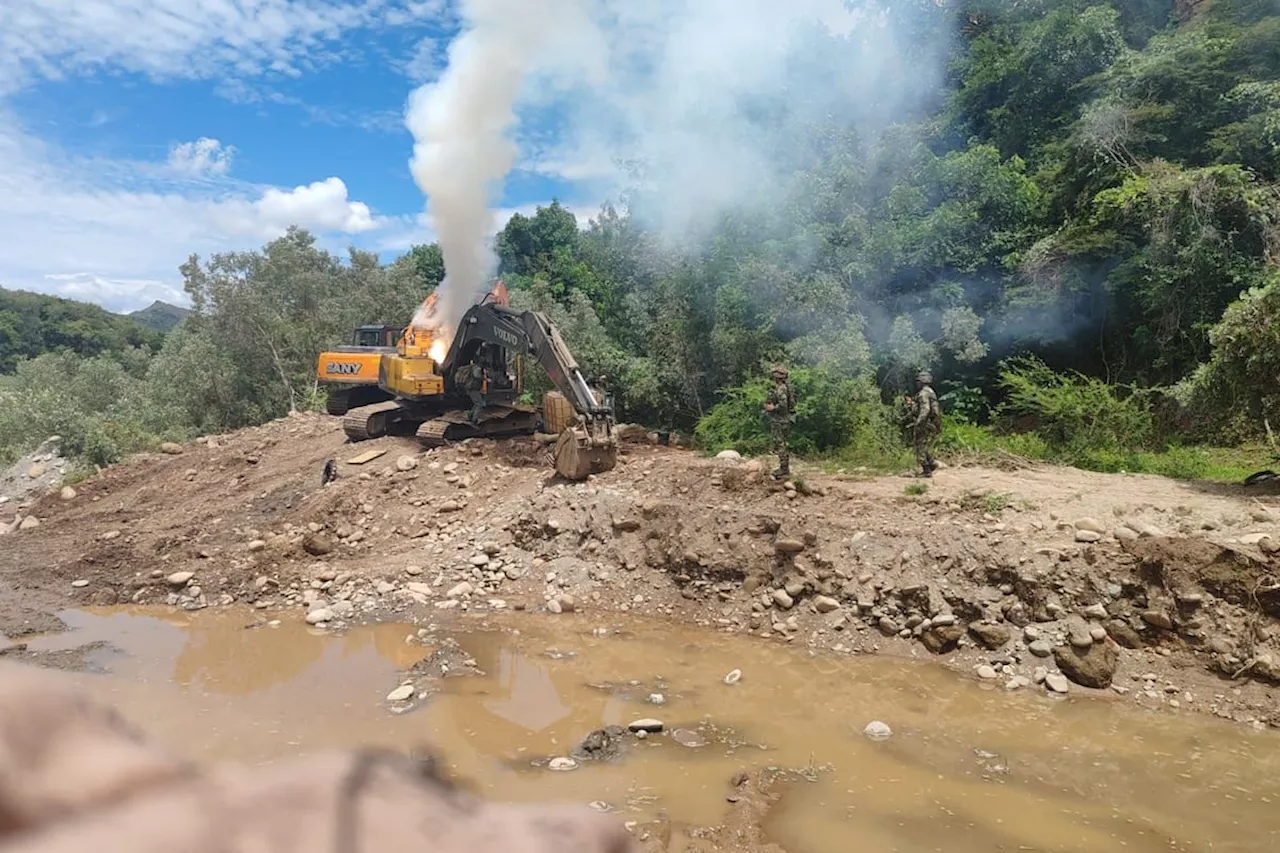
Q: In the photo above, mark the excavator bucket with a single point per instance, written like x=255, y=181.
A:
x=578, y=455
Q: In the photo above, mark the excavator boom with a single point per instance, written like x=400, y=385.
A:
x=585, y=448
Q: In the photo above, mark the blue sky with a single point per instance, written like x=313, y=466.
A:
x=136, y=132
x=133, y=132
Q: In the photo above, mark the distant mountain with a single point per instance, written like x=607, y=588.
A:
x=160, y=316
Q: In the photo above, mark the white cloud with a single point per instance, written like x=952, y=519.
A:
x=114, y=294
x=116, y=231
x=204, y=156
x=425, y=63
x=192, y=39
x=419, y=10
x=322, y=206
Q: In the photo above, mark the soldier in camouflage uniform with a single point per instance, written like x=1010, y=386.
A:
x=472, y=379
x=928, y=423
x=780, y=408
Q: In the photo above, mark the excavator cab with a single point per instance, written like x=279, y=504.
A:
x=376, y=336
x=350, y=372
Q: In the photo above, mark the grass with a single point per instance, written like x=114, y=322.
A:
x=970, y=443
x=916, y=489
x=988, y=502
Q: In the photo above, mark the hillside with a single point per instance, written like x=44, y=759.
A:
x=35, y=323
x=159, y=315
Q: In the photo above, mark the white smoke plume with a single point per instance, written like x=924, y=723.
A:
x=461, y=127
x=679, y=86
x=700, y=93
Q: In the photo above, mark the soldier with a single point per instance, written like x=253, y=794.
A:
x=472, y=379
x=780, y=408
x=928, y=423
x=604, y=394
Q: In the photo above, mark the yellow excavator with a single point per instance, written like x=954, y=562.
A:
x=352, y=371
x=447, y=385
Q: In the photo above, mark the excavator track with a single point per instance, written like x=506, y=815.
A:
x=339, y=402
x=495, y=422
x=369, y=421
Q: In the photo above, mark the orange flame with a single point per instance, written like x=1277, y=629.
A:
x=424, y=320
x=500, y=294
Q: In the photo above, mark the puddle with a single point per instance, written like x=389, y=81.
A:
x=968, y=768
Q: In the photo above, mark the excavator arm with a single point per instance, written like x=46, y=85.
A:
x=587, y=448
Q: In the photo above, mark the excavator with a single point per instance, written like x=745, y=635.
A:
x=445, y=389
x=352, y=370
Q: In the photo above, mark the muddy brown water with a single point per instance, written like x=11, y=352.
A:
x=968, y=768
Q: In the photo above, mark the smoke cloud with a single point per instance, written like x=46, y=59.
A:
x=716, y=100
x=709, y=98
x=461, y=127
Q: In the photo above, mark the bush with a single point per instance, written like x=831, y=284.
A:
x=832, y=415
x=1082, y=420
x=1230, y=398
x=96, y=404
x=960, y=437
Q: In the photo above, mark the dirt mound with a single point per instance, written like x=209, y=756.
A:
x=1001, y=573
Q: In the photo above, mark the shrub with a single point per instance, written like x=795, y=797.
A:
x=832, y=414
x=1078, y=417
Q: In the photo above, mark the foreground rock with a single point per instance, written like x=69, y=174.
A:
x=605, y=744
x=114, y=785
x=1093, y=666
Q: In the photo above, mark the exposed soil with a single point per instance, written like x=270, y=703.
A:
x=1139, y=588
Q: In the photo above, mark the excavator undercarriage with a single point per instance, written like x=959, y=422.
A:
x=435, y=429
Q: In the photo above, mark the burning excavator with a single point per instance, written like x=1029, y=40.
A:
x=447, y=384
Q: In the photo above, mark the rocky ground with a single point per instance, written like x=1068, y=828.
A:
x=35, y=473
x=1145, y=590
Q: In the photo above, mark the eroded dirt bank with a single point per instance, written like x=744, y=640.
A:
x=1138, y=588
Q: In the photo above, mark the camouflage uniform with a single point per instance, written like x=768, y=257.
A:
x=475, y=390
x=782, y=399
x=927, y=425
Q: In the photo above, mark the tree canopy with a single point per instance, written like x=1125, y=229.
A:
x=33, y=323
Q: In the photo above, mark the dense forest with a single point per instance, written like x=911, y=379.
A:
x=32, y=324
x=1079, y=233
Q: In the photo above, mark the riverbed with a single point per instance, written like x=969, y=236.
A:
x=969, y=766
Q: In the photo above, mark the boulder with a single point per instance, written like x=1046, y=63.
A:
x=942, y=638
x=317, y=544
x=825, y=604
x=1090, y=667
x=788, y=546
x=1123, y=634
x=991, y=635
